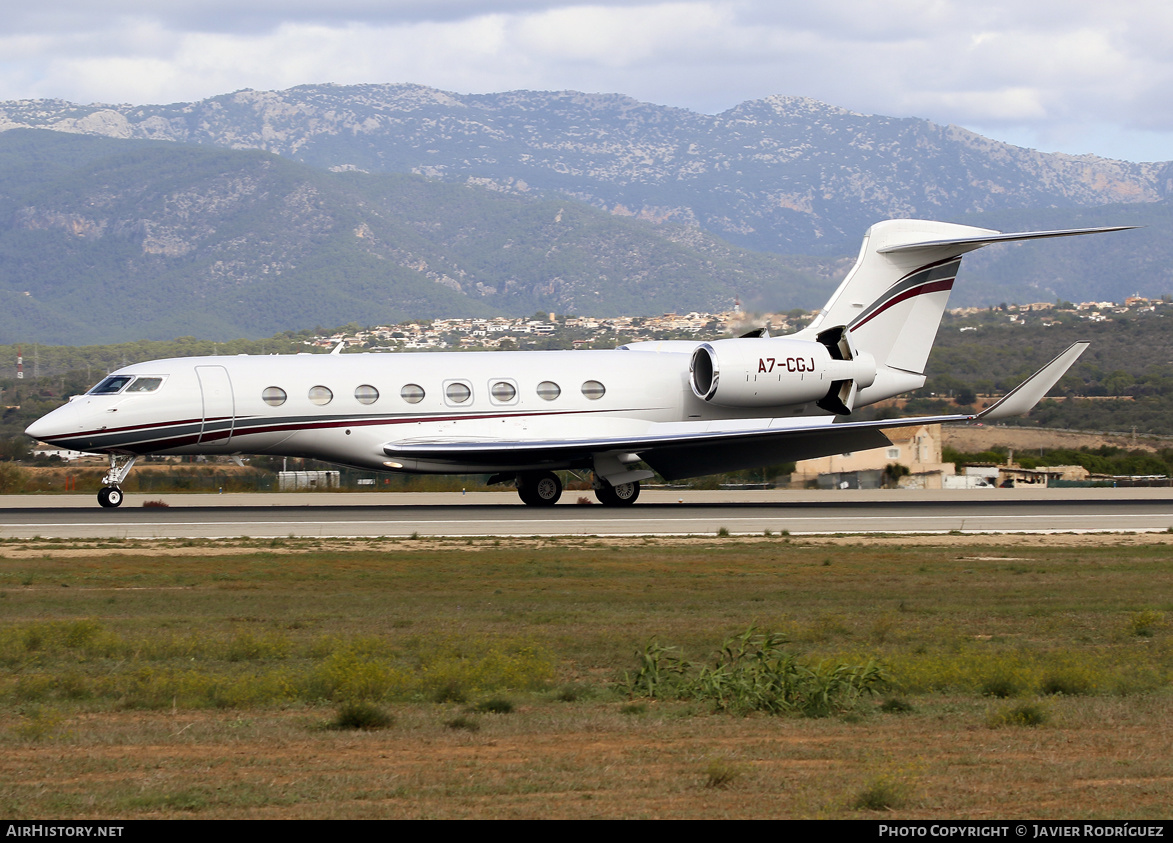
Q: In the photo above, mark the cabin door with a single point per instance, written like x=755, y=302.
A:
x=219, y=407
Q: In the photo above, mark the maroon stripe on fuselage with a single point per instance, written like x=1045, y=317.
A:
x=923, y=289
x=238, y=431
x=324, y=425
x=106, y=431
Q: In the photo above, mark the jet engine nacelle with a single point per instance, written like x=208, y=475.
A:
x=761, y=372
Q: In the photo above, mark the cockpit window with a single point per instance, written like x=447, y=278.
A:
x=112, y=385
x=145, y=385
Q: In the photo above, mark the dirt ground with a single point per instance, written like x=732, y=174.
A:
x=33, y=549
x=973, y=439
x=590, y=762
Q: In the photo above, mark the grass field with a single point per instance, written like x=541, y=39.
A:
x=1026, y=678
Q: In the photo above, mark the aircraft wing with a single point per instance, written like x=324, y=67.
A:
x=688, y=449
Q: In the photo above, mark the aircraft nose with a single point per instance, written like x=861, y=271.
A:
x=61, y=422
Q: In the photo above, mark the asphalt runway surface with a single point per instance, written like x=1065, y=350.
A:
x=658, y=512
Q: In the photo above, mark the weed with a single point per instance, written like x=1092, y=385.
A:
x=361, y=715
x=896, y=705
x=1145, y=624
x=1069, y=680
x=497, y=705
x=721, y=773
x=634, y=708
x=1003, y=681
x=449, y=692
x=462, y=723
x=38, y=724
x=571, y=693
x=157, y=504
x=883, y=793
x=660, y=672
x=723, y=533
x=752, y=672
x=351, y=676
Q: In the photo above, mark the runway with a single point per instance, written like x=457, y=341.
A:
x=656, y=513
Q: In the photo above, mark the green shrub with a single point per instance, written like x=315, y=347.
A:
x=463, y=723
x=883, y=793
x=1003, y=682
x=721, y=773
x=1069, y=680
x=896, y=705
x=1145, y=624
x=497, y=705
x=449, y=692
x=752, y=672
x=361, y=715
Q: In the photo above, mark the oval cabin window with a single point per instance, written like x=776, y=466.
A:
x=412, y=393
x=366, y=394
x=548, y=390
x=503, y=391
x=320, y=395
x=457, y=393
x=593, y=390
x=274, y=396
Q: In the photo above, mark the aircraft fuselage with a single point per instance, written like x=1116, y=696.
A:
x=345, y=408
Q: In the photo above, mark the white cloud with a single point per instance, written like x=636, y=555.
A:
x=1077, y=74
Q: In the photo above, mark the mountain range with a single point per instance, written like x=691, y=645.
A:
x=258, y=211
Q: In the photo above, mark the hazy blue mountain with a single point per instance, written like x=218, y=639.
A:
x=104, y=240
x=782, y=174
x=256, y=212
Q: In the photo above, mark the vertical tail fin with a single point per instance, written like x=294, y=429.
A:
x=892, y=301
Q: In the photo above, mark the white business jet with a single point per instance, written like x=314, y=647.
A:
x=681, y=408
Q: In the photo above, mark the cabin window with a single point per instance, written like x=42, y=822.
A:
x=274, y=396
x=593, y=390
x=320, y=395
x=412, y=393
x=112, y=385
x=366, y=394
x=145, y=385
x=548, y=390
x=457, y=392
x=503, y=392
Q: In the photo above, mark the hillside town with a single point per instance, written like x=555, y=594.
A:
x=550, y=330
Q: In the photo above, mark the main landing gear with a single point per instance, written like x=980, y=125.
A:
x=539, y=488
x=544, y=488
x=111, y=494
x=621, y=494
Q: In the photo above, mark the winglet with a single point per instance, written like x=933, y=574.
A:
x=1028, y=393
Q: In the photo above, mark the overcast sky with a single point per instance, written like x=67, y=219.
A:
x=1058, y=75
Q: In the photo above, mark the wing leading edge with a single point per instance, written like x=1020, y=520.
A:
x=687, y=449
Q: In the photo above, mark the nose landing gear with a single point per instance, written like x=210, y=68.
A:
x=111, y=494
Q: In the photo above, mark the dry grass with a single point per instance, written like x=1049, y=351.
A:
x=414, y=626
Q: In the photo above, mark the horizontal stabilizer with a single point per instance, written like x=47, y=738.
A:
x=1028, y=393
